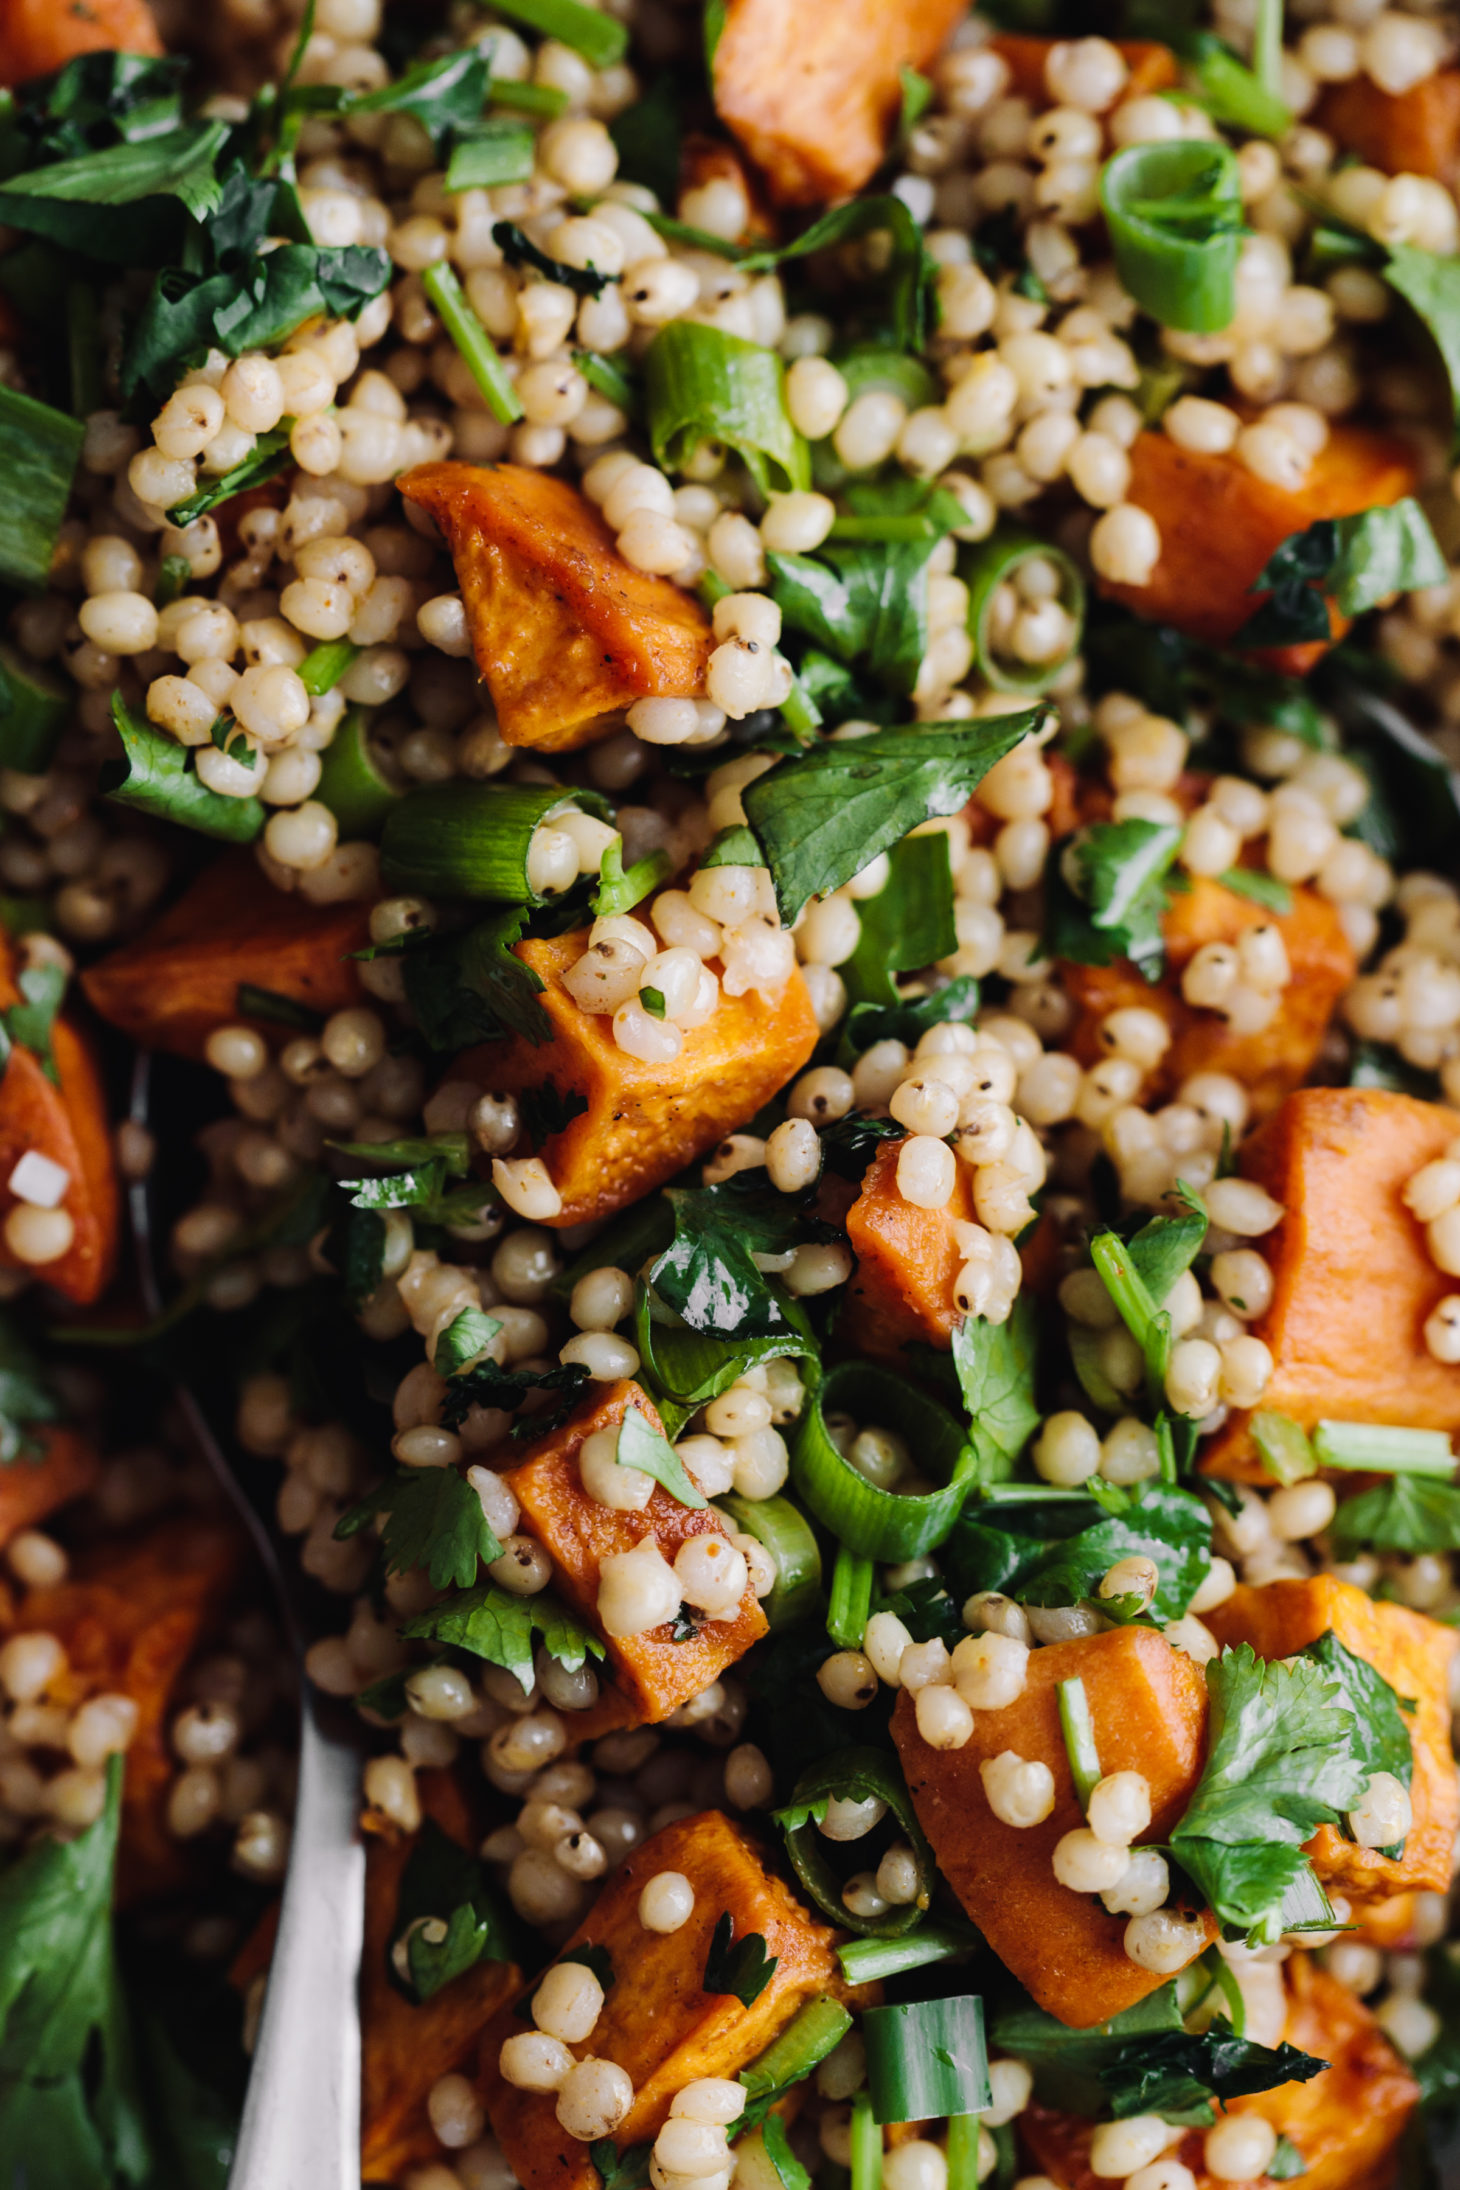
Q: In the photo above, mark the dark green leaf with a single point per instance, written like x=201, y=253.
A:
x=1384, y=551
x=1287, y=2162
x=285, y=1011
x=791, y=2173
x=433, y=1519
x=1382, y=1742
x=707, y=1275
x=469, y=987
x=1106, y=893
x=26, y=1398
x=1166, y=1247
x=42, y=989
x=518, y=249
x=743, y=1969
x=906, y=313
x=493, y=1624
x=39, y=449
x=1410, y=1513
x=128, y=202
x=647, y=135
x=268, y=456
x=34, y=710
x=621, y=2171
x=97, y=99
x=1430, y=285
x=451, y=1150
x=355, y=1246
x=995, y=1364
x=488, y=1386
x=441, y=1881
x=864, y=601
x=821, y=819
x=908, y=1022
x=444, y=96
x=468, y=1335
x=641, y=1446
x=155, y=777
x=906, y=925
x=546, y=1110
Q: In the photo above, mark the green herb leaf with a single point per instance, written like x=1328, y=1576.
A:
x=821, y=819
x=648, y=136
x=444, y=96
x=97, y=99
x=42, y=989
x=1263, y=889
x=463, y=1339
x=518, y=249
x=489, y=1386
x=442, y=1881
x=1106, y=893
x=621, y=2171
x=653, y=1002
x=26, y=1398
x=620, y=889
x=1382, y=1741
x=268, y=457
x=155, y=776
x=451, y=1150
x=34, y=707
x=906, y=310
x=39, y=450
x=996, y=1364
x=1285, y=1450
x=744, y=1968
x=641, y=1446
x=600, y=38
x=907, y=924
x=493, y=1624
x=400, y=1190
x=703, y=385
x=1287, y=2162
x=707, y=1275
x=1409, y=1514
x=251, y=1002
x=433, y=1519
x=863, y=601
x=469, y=988
x=1165, y=1248
x=1171, y=1527
x=129, y=202
x=1356, y=561
x=1430, y=285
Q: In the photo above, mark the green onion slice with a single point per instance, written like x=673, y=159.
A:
x=600, y=37
x=866, y=2142
x=803, y=2044
x=34, y=710
x=881, y=1524
x=1078, y=1728
x=963, y=2144
x=1376, y=1448
x=322, y=668
x=850, y=1606
x=867, y=1961
x=787, y=1535
x=854, y=1774
x=473, y=341
x=701, y=385
x=1174, y=211
x=1147, y=1321
x=1283, y=1445
x=926, y=2059
x=493, y=153
x=351, y=781
x=994, y=563
x=472, y=839
x=869, y=367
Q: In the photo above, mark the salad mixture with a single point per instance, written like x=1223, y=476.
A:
x=728, y=750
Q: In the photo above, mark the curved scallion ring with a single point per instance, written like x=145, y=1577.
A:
x=1174, y=212
x=473, y=839
x=881, y=1524
x=854, y=1775
x=993, y=563
x=788, y=1537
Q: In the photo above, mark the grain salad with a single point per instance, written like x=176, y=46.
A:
x=730, y=916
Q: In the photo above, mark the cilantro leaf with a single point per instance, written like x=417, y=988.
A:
x=493, y=1624
x=995, y=1364
x=433, y=1519
x=128, y=202
x=265, y=460
x=617, y=2170
x=470, y=988
x=1106, y=893
x=641, y=1446
x=1287, y=2161
x=443, y=1885
x=744, y=1968
x=487, y=1385
x=907, y=924
x=906, y=311
x=1382, y=1741
x=445, y=96
x=518, y=249
x=1356, y=561
x=546, y=1111
x=1409, y=1513
x=863, y=601
x=1166, y=1247
x=708, y=1274
x=1168, y=1526
x=155, y=777
x=908, y=1021
x=39, y=448
x=97, y=99
x=463, y=1339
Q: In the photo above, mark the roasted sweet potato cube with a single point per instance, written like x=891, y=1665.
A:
x=812, y=92
x=1413, y=1654
x=652, y=1671
x=1353, y=1279
x=406, y=2047
x=1414, y=132
x=1219, y=523
x=37, y=36
x=1269, y=1064
x=644, y=1122
x=1346, y=2122
x=1152, y=67
x=566, y=633
x=130, y=1617
x=68, y=1123
x=32, y=1487
x=1149, y=1707
x=177, y=982
x=658, y=2022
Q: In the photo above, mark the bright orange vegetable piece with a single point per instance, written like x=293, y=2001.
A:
x=1219, y=524
x=813, y=92
x=566, y=633
x=1269, y=1064
x=406, y=2048
x=1148, y=1703
x=130, y=1617
x=37, y=36
x=652, y=1672
x=1152, y=67
x=32, y=1488
x=180, y=979
x=657, y=2021
x=1346, y=2122
x=908, y=1260
x=644, y=1122
x=1353, y=1277
x=1414, y=132
x=1413, y=1654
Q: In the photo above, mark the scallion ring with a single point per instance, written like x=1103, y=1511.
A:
x=352, y=782
x=787, y=1535
x=854, y=1775
x=1174, y=211
x=994, y=614
x=702, y=385
x=926, y=2059
x=881, y=1524
x=474, y=839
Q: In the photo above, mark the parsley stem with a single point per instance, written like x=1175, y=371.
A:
x=473, y=341
x=851, y=1599
x=1378, y=1448
x=544, y=99
x=1078, y=1728
x=866, y=2140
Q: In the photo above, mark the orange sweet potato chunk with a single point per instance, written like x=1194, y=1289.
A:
x=812, y=92
x=1346, y=2123
x=1353, y=1278
x=657, y=2021
x=405, y=2048
x=566, y=633
x=130, y=1617
x=1269, y=1064
x=644, y=1122
x=654, y=1673
x=1413, y=1654
x=1149, y=1707
x=1152, y=67
x=1414, y=132
x=180, y=979
x=67, y=1122
x=31, y=1488
x=1219, y=523
x=37, y=36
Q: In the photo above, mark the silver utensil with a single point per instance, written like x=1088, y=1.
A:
x=301, y=2117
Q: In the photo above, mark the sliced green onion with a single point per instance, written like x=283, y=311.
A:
x=351, y=782
x=598, y=36
x=39, y=451
x=881, y=1524
x=1286, y=1452
x=867, y=1961
x=854, y=1774
x=993, y=563
x=473, y=341
x=916, y=526
x=850, y=1605
x=1378, y=1449
x=803, y=2044
x=1174, y=211
x=1149, y=1324
x=1263, y=889
x=493, y=153
x=267, y=458
x=545, y=99
x=1267, y=50
x=787, y=1536
x=963, y=2145
x=609, y=378
x=323, y=666
x=472, y=839
x=702, y=385
x=866, y=2143
x=1078, y=1728
x=871, y=368
x=926, y=2059
x=34, y=710
x=800, y=711
x=1230, y=92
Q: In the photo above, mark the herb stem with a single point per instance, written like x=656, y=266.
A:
x=866, y=2140
x=1078, y=1728
x=965, y=2133
x=851, y=1599
x=1378, y=1448
x=473, y=341
x=322, y=668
